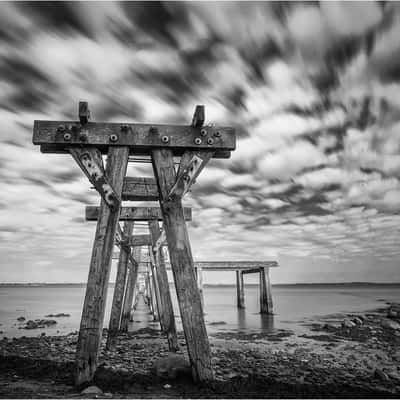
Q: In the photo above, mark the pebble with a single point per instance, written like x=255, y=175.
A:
x=379, y=374
x=347, y=323
x=388, y=323
x=92, y=390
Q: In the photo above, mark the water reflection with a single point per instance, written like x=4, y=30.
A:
x=241, y=319
x=267, y=322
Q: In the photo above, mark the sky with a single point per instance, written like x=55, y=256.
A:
x=312, y=89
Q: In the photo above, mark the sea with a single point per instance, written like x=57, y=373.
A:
x=295, y=306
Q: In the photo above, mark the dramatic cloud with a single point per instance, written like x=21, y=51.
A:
x=312, y=88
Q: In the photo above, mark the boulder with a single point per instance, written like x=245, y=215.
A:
x=57, y=315
x=92, y=390
x=172, y=366
x=357, y=321
x=388, y=323
x=21, y=319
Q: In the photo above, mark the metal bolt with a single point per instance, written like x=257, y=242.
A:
x=197, y=140
x=67, y=136
x=165, y=139
x=61, y=128
x=186, y=178
x=83, y=136
x=113, y=137
x=203, y=132
x=217, y=134
x=210, y=140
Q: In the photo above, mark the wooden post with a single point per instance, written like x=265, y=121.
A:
x=96, y=291
x=182, y=267
x=153, y=292
x=130, y=287
x=167, y=320
x=117, y=304
x=199, y=273
x=266, y=306
x=240, y=289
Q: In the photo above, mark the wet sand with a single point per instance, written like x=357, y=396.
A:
x=339, y=358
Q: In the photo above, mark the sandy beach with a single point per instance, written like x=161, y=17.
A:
x=349, y=356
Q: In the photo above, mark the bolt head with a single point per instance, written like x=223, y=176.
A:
x=83, y=136
x=61, y=128
x=217, y=134
x=197, y=140
x=203, y=132
x=186, y=178
x=113, y=138
x=67, y=136
x=210, y=141
x=165, y=139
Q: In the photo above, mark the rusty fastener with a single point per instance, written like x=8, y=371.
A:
x=186, y=178
x=83, y=136
x=67, y=136
x=124, y=128
x=217, y=134
x=113, y=137
x=197, y=140
x=210, y=140
x=61, y=128
x=165, y=139
x=203, y=132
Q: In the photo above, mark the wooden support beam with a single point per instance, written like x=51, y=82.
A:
x=266, y=306
x=182, y=267
x=135, y=213
x=156, y=295
x=139, y=240
x=140, y=138
x=84, y=112
x=161, y=241
x=139, y=189
x=251, y=270
x=239, y=289
x=130, y=287
x=199, y=275
x=96, y=291
x=167, y=320
x=90, y=161
x=117, y=303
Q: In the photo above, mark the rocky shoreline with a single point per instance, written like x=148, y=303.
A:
x=357, y=357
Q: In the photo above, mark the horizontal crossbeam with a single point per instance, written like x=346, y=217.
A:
x=224, y=265
x=139, y=189
x=141, y=138
x=135, y=213
x=252, y=271
x=139, y=240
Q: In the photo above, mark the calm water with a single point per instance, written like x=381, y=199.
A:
x=293, y=305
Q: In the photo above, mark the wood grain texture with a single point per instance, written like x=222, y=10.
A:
x=139, y=189
x=266, y=306
x=130, y=288
x=142, y=137
x=90, y=161
x=139, y=240
x=183, y=268
x=167, y=320
x=134, y=213
x=96, y=291
x=239, y=290
x=119, y=288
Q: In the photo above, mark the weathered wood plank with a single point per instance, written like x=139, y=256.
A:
x=239, y=290
x=139, y=189
x=167, y=319
x=182, y=267
x=133, y=151
x=130, y=288
x=144, y=137
x=139, y=240
x=117, y=302
x=96, y=291
x=135, y=213
x=90, y=161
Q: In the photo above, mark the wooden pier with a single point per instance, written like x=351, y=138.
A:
x=86, y=141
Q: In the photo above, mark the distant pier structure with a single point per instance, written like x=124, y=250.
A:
x=193, y=145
